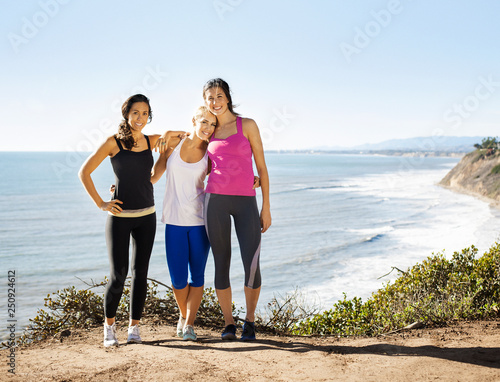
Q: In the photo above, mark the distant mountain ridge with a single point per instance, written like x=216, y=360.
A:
x=437, y=143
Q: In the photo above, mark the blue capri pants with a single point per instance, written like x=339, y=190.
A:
x=187, y=250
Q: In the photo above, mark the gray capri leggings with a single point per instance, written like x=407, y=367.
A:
x=243, y=209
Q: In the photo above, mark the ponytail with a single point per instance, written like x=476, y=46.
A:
x=125, y=135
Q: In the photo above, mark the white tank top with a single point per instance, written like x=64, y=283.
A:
x=184, y=191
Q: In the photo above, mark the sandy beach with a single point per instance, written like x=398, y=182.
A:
x=466, y=351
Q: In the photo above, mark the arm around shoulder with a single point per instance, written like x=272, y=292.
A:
x=169, y=139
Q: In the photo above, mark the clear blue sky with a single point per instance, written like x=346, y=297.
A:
x=311, y=73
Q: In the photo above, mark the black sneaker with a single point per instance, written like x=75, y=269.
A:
x=229, y=333
x=248, y=331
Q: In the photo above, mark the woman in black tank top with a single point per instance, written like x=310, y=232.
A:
x=131, y=211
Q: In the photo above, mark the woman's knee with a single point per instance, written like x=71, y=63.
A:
x=197, y=280
x=179, y=283
x=222, y=281
x=140, y=275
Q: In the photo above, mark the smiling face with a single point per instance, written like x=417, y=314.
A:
x=216, y=100
x=204, y=125
x=138, y=116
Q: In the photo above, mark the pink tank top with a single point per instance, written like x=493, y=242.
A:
x=232, y=170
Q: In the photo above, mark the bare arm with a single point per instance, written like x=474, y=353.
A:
x=92, y=162
x=251, y=131
x=161, y=163
x=159, y=167
x=153, y=139
x=168, y=139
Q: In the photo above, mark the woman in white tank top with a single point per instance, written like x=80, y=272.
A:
x=186, y=241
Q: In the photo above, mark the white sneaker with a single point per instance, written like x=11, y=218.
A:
x=189, y=334
x=180, y=326
x=110, y=335
x=133, y=335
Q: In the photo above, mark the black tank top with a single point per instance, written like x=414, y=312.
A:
x=133, y=177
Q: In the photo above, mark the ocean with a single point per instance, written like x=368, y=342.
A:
x=340, y=222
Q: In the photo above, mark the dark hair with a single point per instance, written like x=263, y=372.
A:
x=220, y=83
x=124, y=134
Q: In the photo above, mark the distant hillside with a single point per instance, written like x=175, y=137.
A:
x=477, y=173
x=442, y=143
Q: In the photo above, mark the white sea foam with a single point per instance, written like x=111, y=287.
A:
x=440, y=220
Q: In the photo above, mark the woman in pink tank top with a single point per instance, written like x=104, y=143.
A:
x=230, y=193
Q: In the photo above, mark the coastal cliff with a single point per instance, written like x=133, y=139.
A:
x=478, y=173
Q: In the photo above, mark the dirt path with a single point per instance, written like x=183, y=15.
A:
x=464, y=352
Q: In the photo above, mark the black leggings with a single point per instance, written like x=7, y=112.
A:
x=118, y=233
x=243, y=209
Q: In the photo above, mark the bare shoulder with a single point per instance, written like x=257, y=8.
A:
x=110, y=142
x=248, y=123
x=249, y=127
x=251, y=132
x=153, y=138
x=111, y=138
x=109, y=146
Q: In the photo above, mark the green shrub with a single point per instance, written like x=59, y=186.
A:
x=488, y=143
x=435, y=292
x=70, y=308
x=476, y=156
x=496, y=169
x=283, y=313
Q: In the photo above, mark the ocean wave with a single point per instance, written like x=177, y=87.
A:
x=373, y=238
x=309, y=188
x=326, y=256
x=372, y=231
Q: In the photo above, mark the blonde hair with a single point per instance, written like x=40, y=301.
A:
x=200, y=111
